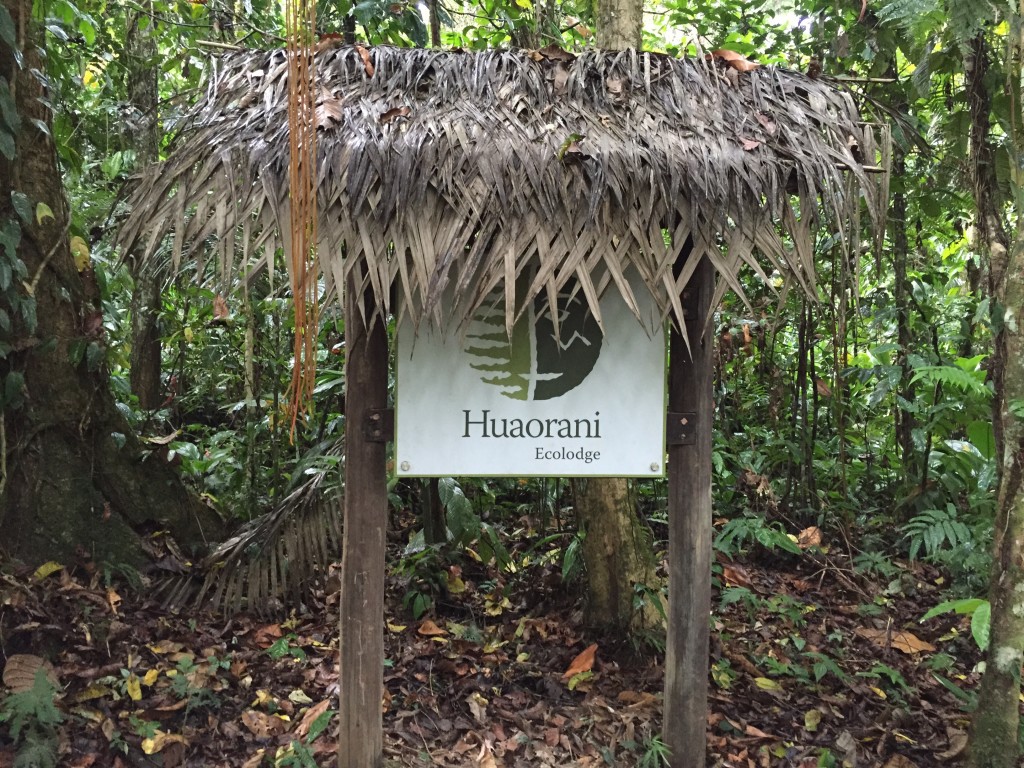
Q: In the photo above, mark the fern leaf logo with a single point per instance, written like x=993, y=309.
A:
x=535, y=364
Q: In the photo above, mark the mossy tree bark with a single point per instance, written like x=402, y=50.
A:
x=75, y=481
x=994, y=726
x=617, y=549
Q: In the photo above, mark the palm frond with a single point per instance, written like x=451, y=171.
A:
x=271, y=560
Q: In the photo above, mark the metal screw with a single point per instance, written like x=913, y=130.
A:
x=405, y=466
x=654, y=466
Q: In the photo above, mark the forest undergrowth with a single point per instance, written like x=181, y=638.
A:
x=813, y=663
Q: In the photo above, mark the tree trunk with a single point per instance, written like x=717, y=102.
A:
x=144, y=137
x=618, y=555
x=74, y=481
x=620, y=24
x=994, y=726
x=617, y=550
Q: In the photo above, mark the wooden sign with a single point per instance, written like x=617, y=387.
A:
x=577, y=403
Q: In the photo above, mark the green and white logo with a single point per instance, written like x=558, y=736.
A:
x=536, y=363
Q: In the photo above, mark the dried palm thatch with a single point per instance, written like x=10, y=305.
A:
x=269, y=562
x=446, y=175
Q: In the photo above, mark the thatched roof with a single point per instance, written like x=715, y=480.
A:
x=446, y=173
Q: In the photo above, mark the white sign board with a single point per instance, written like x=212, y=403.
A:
x=578, y=405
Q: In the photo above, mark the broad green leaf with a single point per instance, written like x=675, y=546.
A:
x=981, y=622
x=8, y=109
x=7, y=32
x=6, y=144
x=22, y=206
x=967, y=605
x=88, y=31
x=982, y=437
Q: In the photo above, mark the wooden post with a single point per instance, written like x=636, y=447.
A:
x=689, y=533
x=361, y=630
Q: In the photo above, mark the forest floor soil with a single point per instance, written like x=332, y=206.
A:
x=812, y=663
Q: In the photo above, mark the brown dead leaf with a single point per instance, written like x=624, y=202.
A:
x=750, y=144
x=365, y=56
x=393, y=114
x=263, y=725
x=900, y=761
x=822, y=387
x=757, y=733
x=554, y=53
x=584, y=662
x=736, y=575
x=957, y=744
x=809, y=537
x=767, y=122
x=901, y=640
x=733, y=60
x=311, y=715
x=220, y=309
x=20, y=671
x=329, y=40
x=430, y=629
x=267, y=635
x=637, y=699
x=328, y=109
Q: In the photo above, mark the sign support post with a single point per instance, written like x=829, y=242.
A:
x=689, y=530
x=361, y=611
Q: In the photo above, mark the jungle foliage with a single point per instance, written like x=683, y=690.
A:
x=864, y=413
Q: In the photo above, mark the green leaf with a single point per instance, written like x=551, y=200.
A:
x=7, y=33
x=319, y=726
x=6, y=144
x=982, y=436
x=94, y=355
x=88, y=31
x=981, y=622
x=14, y=390
x=965, y=606
x=8, y=109
x=22, y=206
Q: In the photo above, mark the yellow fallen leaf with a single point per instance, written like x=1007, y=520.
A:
x=133, y=687
x=92, y=691
x=583, y=662
x=150, y=677
x=80, y=253
x=43, y=212
x=812, y=719
x=767, y=684
x=46, y=569
x=160, y=740
x=396, y=627
x=878, y=692
x=264, y=698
